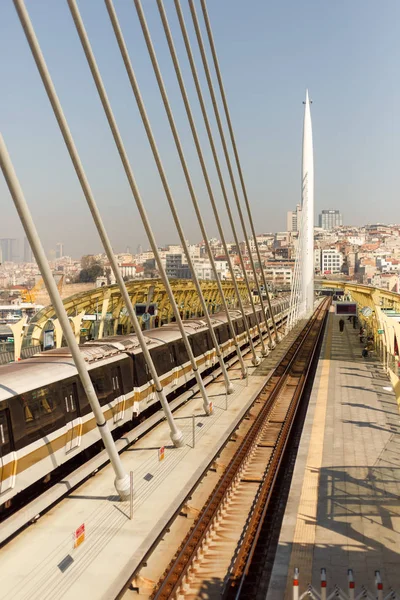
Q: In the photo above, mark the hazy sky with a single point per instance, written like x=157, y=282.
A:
x=347, y=52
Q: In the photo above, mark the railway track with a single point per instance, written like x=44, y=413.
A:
x=215, y=556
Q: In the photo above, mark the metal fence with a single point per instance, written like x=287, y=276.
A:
x=7, y=352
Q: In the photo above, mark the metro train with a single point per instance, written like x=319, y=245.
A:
x=46, y=419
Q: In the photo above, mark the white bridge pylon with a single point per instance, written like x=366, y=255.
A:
x=302, y=292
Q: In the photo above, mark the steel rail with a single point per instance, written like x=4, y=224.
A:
x=172, y=578
x=247, y=549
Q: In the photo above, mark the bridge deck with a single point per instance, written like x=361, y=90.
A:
x=31, y=564
x=343, y=509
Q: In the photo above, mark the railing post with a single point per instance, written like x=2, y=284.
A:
x=194, y=429
x=296, y=584
x=379, y=585
x=131, y=496
x=352, y=585
x=323, y=584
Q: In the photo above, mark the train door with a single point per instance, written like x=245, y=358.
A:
x=7, y=456
x=118, y=393
x=72, y=417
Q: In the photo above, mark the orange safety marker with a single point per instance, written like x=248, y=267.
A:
x=161, y=453
x=211, y=407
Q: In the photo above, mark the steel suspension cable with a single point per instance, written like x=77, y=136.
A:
x=220, y=178
x=121, y=477
x=215, y=157
x=163, y=177
x=199, y=150
x=295, y=283
x=135, y=191
x=227, y=159
x=176, y=434
x=235, y=151
x=298, y=283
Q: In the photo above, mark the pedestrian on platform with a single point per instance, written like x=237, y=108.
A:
x=365, y=352
x=341, y=325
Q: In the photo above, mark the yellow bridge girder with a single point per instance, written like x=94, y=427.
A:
x=383, y=323
x=107, y=302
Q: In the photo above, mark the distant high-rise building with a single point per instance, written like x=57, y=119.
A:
x=59, y=250
x=9, y=250
x=139, y=249
x=28, y=258
x=329, y=219
x=293, y=219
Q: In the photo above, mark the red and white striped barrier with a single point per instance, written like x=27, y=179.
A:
x=337, y=592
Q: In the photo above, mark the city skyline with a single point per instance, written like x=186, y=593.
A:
x=266, y=112
x=23, y=249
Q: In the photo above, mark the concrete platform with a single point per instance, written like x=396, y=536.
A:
x=343, y=509
x=42, y=563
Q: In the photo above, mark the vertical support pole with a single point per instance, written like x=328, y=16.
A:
x=323, y=584
x=104, y=309
x=307, y=212
x=226, y=396
x=352, y=586
x=18, y=333
x=194, y=429
x=131, y=496
x=296, y=584
x=121, y=478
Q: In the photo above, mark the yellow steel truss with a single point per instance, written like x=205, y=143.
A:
x=107, y=302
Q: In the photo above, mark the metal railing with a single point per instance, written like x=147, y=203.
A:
x=337, y=592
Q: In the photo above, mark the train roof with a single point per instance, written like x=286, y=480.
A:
x=31, y=373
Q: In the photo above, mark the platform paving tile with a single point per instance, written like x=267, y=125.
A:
x=353, y=520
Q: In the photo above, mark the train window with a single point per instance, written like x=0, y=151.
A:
x=5, y=442
x=200, y=343
x=239, y=325
x=43, y=413
x=253, y=319
x=162, y=359
x=100, y=384
x=223, y=333
x=210, y=343
x=180, y=352
x=141, y=373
